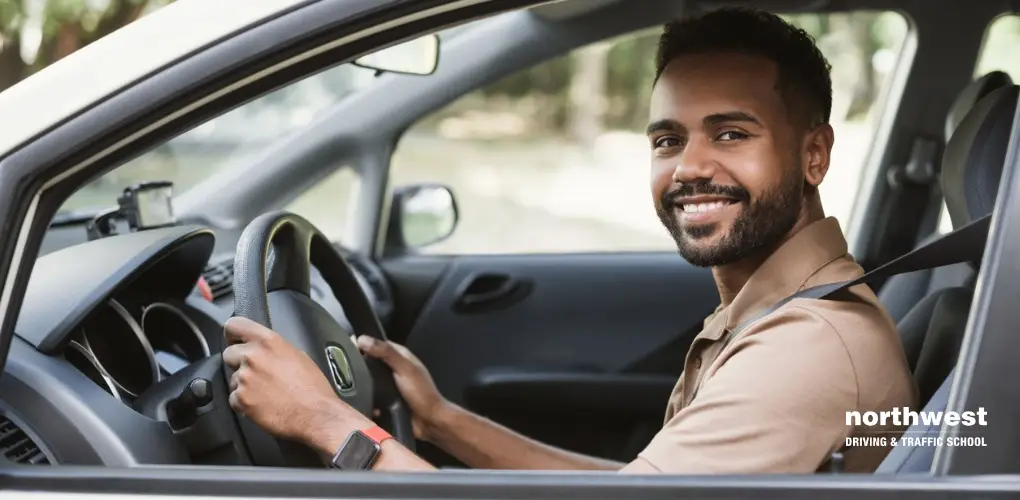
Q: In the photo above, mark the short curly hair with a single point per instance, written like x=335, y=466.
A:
x=804, y=80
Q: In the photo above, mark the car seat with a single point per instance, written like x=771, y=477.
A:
x=902, y=293
x=971, y=171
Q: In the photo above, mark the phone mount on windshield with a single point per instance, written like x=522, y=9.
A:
x=148, y=205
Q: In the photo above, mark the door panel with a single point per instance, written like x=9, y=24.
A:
x=578, y=351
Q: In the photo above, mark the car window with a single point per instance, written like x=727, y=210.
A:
x=554, y=158
x=998, y=53
x=227, y=140
x=328, y=203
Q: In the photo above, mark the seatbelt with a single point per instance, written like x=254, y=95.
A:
x=966, y=244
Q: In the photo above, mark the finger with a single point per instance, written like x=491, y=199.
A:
x=235, y=381
x=381, y=350
x=402, y=351
x=238, y=330
x=234, y=356
x=235, y=403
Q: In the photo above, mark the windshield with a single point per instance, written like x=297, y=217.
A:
x=196, y=155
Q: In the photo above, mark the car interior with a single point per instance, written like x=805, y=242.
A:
x=116, y=356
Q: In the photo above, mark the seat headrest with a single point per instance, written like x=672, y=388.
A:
x=971, y=94
x=975, y=154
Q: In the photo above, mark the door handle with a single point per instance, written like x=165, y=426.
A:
x=490, y=291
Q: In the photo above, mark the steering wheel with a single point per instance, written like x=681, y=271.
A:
x=272, y=286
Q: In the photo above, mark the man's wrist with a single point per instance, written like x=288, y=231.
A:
x=439, y=421
x=331, y=427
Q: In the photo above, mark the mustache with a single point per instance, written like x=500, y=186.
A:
x=704, y=189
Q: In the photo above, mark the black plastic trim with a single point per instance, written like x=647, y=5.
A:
x=601, y=393
x=55, y=305
x=30, y=432
x=80, y=422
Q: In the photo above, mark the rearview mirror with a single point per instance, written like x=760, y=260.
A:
x=421, y=215
x=415, y=57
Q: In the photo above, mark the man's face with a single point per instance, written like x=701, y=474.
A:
x=727, y=176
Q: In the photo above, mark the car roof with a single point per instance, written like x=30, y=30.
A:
x=113, y=62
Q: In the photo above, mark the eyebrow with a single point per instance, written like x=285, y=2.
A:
x=713, y=119
x=663, y=125
x=732, y=116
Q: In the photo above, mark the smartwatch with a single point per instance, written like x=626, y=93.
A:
x=361, y=449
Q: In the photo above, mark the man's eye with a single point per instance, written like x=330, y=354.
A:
x=667, y=142
x=731, y=135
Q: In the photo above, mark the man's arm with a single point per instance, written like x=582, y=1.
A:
x=282, y=390
x=484, y=444
x=326, y=433
x=472, y=439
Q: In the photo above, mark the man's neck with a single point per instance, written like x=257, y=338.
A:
x=731, y=278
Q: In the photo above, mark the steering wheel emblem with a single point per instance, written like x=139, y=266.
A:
x=340, y=369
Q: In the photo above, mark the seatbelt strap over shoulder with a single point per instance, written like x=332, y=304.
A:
x=966, y=244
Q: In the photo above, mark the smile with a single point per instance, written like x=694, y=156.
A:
x=704, y=209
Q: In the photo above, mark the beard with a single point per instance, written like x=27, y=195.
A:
x=760, y=226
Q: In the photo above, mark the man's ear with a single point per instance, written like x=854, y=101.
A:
x=817, y=152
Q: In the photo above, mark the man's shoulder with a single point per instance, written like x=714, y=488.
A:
x=855, y=319
x=853, y=331
x=855, y=312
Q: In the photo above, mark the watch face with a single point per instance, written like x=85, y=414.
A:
x=357, y=453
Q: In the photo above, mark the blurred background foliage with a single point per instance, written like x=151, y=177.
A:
x=37, y=33
x=603, y=86
x=606, y=86
x=578, y=96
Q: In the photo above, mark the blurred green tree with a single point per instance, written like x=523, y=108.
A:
x=37, y=33
x=619, y=98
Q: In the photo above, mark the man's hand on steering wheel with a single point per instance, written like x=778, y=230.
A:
x=413, y=381
x=281, y=389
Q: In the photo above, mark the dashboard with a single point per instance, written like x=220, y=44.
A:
x=125, y=349
x=104, y=323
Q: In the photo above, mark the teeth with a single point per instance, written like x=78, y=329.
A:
x=703, y=207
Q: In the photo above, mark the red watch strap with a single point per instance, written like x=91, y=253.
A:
x=377, y=434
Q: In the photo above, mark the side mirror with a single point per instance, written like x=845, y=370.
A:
x=416, y=57
x=421, y=215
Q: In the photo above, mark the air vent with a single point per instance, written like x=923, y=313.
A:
x=220, y=277
x=17, y=446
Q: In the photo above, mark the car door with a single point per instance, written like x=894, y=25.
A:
x=579, y=351
x=559, y=306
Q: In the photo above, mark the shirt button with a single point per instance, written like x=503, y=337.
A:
x=697, y=362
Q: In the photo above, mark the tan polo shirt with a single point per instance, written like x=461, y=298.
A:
x=773, y=399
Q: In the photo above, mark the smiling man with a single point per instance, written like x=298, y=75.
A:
x=740, y=141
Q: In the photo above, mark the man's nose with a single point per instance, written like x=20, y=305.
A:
x=694, y=164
